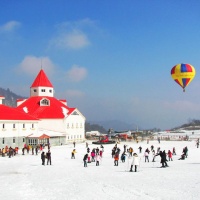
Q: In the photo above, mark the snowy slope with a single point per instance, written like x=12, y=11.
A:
x=23, y=177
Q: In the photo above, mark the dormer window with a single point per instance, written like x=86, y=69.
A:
x=50, y=91
x=44, y=102
x=34, y=90
x=42, y=90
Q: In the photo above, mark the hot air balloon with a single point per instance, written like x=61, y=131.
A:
x=183, y=74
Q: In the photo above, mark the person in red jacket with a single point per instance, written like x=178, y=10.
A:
x=169, y=155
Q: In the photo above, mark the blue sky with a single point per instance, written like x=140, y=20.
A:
x=110, y=59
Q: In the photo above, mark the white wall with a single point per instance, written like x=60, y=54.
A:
x=10, y=131
x=49, y=91
x=75, y=128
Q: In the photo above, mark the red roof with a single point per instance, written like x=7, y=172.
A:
x=44, y=136
x=41, y=80
x=8, y=113
x=52, y=111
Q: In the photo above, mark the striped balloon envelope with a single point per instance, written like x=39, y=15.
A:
x=183, y=74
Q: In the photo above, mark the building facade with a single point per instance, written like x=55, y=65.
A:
x=43, y=114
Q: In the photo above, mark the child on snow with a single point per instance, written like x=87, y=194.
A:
x=169, y=155
x=174, y=151
x=123, y=157
x=97, y=159
x=116, y=158
x=73, y=154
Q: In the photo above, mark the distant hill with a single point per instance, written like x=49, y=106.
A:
x=116, y=125
x=193, y=124
x=94, y=127
x=10, y=97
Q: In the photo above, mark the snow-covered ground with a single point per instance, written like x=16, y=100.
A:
x=23, y=177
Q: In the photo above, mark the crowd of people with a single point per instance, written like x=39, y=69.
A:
x=117, y=154
x=9, y=151
x=96, y=154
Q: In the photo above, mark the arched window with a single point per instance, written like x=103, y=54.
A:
x=44, y=102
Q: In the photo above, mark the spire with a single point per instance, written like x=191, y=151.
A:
x=41, y=80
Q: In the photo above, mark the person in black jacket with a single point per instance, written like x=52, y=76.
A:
x=48, y=157
x=43, y=158
x=85, y=160
x=163, y=158
x=185, y=151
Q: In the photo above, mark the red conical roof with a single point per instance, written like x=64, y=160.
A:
x=41, y=80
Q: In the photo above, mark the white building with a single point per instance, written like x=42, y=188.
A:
x=52, y=116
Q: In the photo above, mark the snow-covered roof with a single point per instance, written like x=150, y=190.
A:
x=54, y=110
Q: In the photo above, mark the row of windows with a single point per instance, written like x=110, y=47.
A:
x=74, y=137
x=34, y=142
x=14, y=126
x=14, y=140
x=75, y=125
x=42, y=90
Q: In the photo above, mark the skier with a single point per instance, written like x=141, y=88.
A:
x=135, y=162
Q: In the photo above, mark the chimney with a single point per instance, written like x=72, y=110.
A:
x=1, y=99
